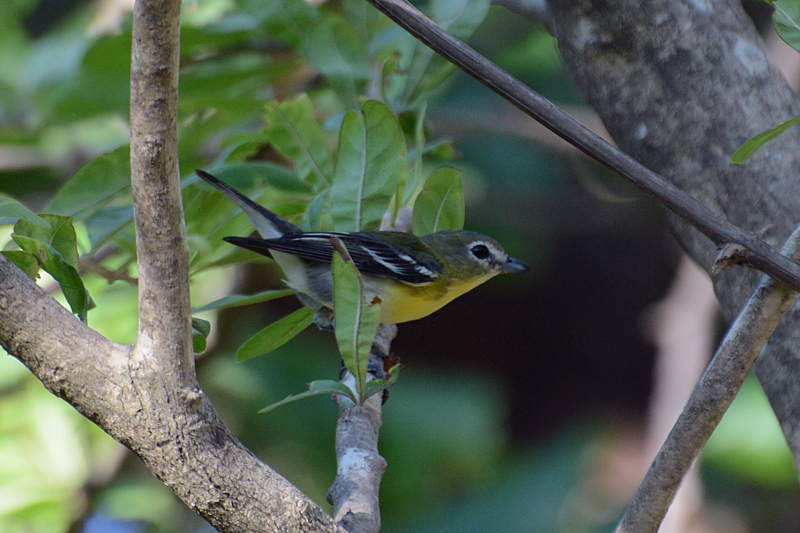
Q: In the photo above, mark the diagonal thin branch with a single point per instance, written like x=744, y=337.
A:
x=754, y=251
x=711, y=398
x=748, y=335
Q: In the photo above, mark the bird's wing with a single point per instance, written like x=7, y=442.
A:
x=370, y=254
x=268, y=224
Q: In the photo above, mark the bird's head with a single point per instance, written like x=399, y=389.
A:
x=471, y=254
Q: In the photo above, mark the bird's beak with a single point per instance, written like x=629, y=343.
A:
x=514, y=266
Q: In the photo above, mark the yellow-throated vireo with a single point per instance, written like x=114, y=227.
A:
x=412, y=276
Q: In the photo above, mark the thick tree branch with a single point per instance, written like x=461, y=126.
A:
x=754, y=251
x=147, y=396
x=183, y=442
x=60, y=349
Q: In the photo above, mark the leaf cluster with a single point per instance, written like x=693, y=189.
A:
x=344, y=149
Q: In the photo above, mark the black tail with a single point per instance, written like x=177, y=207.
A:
x=268, y=224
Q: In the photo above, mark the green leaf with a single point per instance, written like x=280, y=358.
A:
x=55, y=265
x=60, y=234
x=371, y=160
x=318, y=214
x=56, y=250
x=94, y=185
x=200, y=330
x=356, y=320
x=236, y=300
x=243, y=174
x=377, y=385
x=415, y=176
x=315, y=388
x=276, y=334
x=12, y=208
x=25, y=261
x=339, y=52
x=425, y=70
x=293, y=130
x=107, y=223
x=440, y=204
x=749, y=148
x=786, y=20
x=203, y=327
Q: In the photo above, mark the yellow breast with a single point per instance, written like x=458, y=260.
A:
x=402, y=302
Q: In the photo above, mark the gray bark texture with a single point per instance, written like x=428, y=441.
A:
x=147, y=396
x=149, y=407
x=680, y=85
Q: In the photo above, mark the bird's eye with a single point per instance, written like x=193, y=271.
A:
x=480, y=251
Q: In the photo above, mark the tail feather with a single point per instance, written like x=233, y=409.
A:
x=255, y=245
x=268, y=224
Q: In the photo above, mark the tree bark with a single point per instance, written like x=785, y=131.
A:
x=146, y=406
x=680, y=85
x=146, y=396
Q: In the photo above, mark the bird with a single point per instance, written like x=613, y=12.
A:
x=411, y=276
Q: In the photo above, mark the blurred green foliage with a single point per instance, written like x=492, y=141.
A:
x=266, y=89
x=749, y=443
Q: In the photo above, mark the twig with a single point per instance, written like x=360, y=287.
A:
x=711, y=398
x=89, y=264
x=354, y=493
x=682, y=331
x=755, y=252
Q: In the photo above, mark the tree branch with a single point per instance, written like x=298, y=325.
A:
x=754, y=251
x=682, y=328
x=146, y=396
x=161, y=243
x=683, y=111
x=354, y=493
x=184, y=443
x=712, y=396
x=355, y=490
